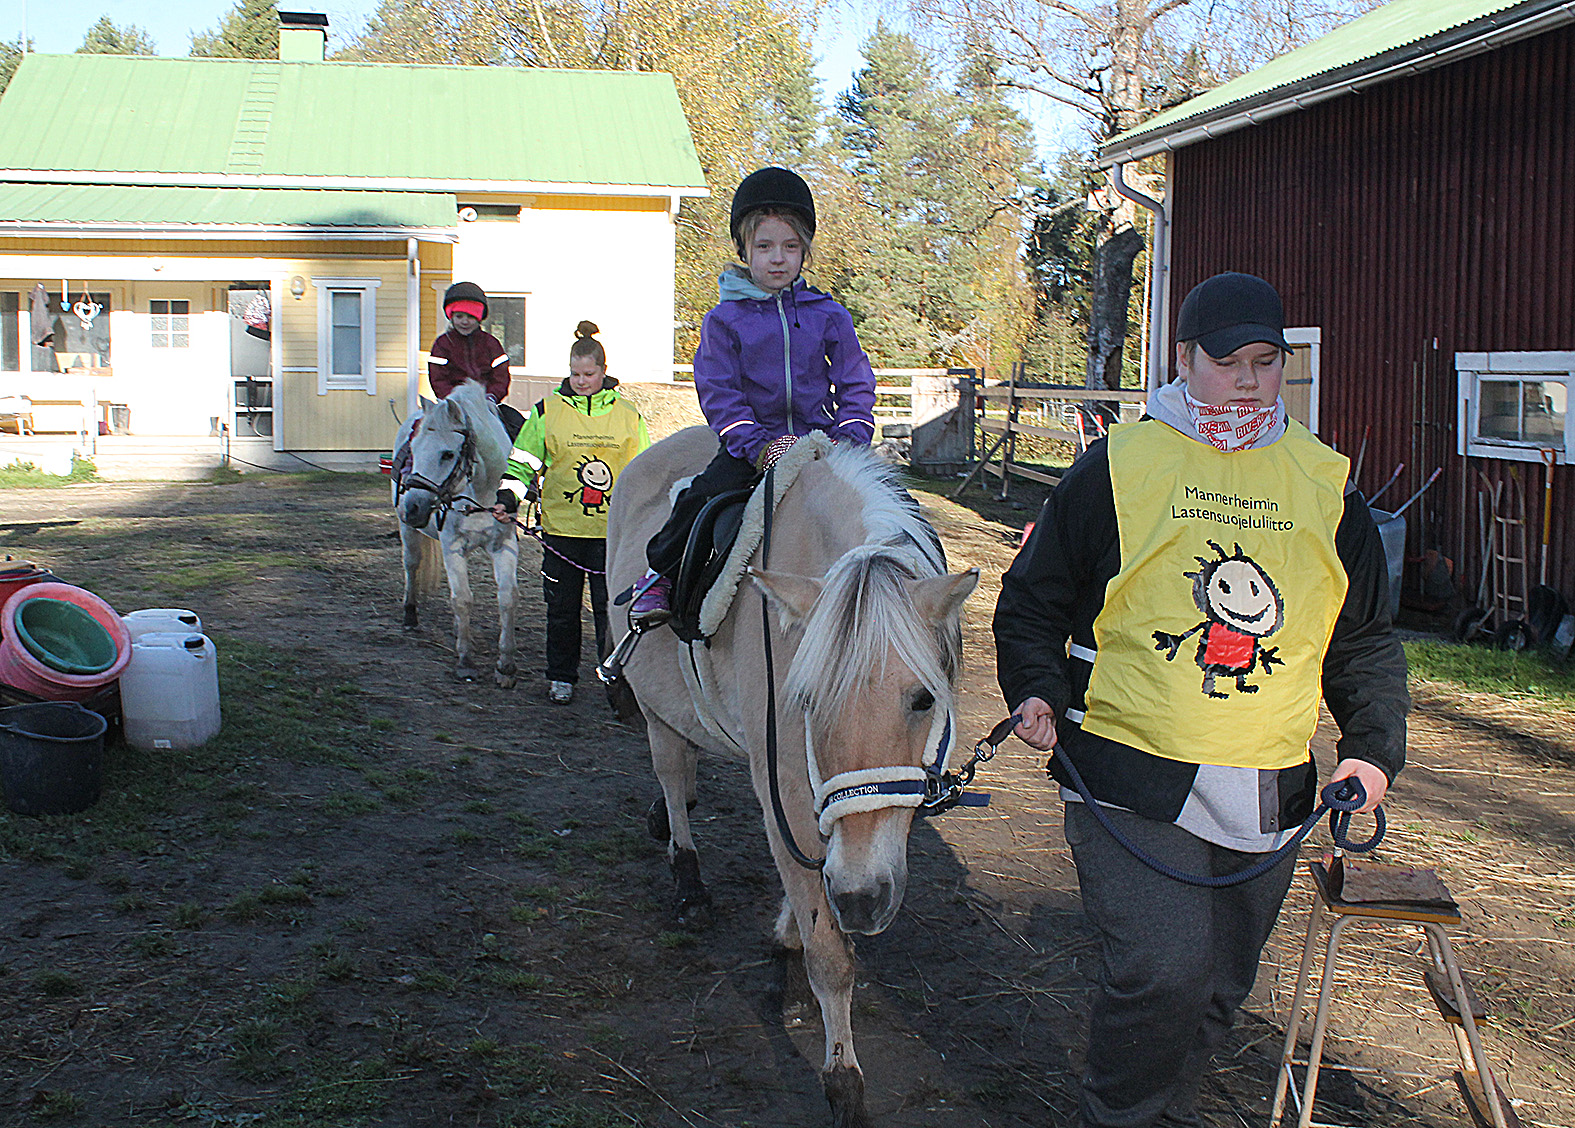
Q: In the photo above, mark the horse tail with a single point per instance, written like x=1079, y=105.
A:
x=429, y=566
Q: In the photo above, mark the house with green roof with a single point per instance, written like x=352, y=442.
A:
x=1408, y=183
x=249, y=256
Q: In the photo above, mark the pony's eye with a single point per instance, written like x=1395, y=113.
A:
x=923, y=701
x=447, y=454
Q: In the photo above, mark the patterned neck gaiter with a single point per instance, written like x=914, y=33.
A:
x=1231, y=427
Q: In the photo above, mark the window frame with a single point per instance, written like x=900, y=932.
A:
x=169, y=332
x=1472, y=370
x=327, y=379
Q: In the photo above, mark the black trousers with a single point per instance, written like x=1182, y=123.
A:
x=562, y=586
x=1176, y=961
x=666, y=550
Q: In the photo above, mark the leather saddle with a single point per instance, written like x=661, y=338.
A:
x=705, y=555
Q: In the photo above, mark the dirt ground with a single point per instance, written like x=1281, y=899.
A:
x=457, y=918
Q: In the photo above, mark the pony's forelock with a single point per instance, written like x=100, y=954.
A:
x=865, y=614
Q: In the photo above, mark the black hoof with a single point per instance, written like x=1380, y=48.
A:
x=845, y=1093
x=466, y=674
x=410, y=619
x=791, y=991
x=694, y=900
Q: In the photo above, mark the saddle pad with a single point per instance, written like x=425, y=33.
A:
x=719, y=600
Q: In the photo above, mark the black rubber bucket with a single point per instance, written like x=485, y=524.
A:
x=51, y=757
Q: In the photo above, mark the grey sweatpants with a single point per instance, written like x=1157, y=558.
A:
x=1176, y=961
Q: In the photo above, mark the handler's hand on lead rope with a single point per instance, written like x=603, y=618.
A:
x=772, y=451
x=1037, y=728
x=1372, y=779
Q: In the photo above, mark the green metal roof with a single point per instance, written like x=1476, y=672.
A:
x=1397, y=33
x=173, y=207
x=128, y=115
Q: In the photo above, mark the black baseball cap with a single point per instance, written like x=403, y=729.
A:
x=1228, y=311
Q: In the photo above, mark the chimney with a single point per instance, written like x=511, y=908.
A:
x=303, y=37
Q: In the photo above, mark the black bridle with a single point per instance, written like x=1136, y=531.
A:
x=446, y=491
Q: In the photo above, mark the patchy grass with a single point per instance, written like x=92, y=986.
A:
x=269, y=709
x=1527, y=675
x=25, y=475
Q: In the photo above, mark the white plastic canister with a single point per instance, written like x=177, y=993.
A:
x=169, y=692
x=162, y=620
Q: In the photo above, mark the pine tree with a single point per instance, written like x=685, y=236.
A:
x=943, y=171
x=250, y=30
x=107, y=38
x=10, y=59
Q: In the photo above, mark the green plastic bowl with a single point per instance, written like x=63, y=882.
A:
x=64, y=637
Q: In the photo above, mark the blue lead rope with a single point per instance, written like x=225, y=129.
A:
x=1340, y=800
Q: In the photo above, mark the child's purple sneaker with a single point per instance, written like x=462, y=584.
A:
x=652, y=607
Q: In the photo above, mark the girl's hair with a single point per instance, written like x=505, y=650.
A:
x=586, y=344
x=751, y=223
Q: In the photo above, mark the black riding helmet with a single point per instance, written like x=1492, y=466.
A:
x=770, y=188
x=467, y=296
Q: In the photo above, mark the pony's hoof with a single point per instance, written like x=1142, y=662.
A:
x=694, y=900
x=466, y=673
x=845, y=1094
x=504, y=681
x=410, y=619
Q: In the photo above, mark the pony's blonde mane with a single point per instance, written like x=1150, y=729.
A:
x=864, y=614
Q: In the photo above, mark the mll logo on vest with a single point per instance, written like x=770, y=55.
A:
x=1242, y=606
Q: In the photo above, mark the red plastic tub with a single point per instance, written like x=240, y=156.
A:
x=14, y=576
x=20, y=669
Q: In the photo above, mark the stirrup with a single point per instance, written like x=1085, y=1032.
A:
x=610, y=670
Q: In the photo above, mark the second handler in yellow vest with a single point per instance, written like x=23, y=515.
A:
x=578, y=440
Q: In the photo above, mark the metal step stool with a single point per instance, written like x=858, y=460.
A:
x=1419, y=899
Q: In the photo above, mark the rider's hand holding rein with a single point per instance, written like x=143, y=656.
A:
x=1037, y=728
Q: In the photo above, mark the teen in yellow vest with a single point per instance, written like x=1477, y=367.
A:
x=578, y=440
x=1192, y=587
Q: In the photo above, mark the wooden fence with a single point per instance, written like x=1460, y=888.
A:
x=1061, y=412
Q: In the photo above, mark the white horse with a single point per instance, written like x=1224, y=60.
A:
x=458, y=452
x=865, y=643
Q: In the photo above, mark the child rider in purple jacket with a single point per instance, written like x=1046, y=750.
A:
x=777, y=359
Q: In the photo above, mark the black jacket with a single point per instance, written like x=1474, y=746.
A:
x=1055, y=588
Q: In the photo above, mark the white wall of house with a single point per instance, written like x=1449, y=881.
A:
x=611, y=267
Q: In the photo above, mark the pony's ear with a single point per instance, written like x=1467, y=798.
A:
x=426, y=404
x=791, y=595
x=939, y=599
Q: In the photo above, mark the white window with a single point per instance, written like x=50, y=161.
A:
x=346, y=334
x=1515, y=405
x=171, y=323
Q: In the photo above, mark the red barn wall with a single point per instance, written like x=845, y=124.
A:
x=1428, y=216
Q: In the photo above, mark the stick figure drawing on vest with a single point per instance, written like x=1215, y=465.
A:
x=596, y=479
x=1241, y=606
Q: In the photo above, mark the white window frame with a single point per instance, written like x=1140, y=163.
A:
x=1310, y=337
x=1474, y=369
x=366, y=379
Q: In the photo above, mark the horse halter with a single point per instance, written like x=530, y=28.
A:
x=873, y=789
x=445, y=491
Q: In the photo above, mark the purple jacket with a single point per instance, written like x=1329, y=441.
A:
x=761, y=351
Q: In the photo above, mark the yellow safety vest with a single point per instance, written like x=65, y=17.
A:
x=585, y=455
x=1210, y=644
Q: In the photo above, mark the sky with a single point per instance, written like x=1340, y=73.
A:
x=57, y=29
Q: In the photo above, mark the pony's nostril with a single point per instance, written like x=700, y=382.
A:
x=862, y=909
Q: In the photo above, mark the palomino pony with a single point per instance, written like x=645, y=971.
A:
x=865, y=645
x=458, y=452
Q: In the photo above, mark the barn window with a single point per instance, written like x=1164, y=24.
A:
x=346, y=334
x=506, y=321
x=1515, y=405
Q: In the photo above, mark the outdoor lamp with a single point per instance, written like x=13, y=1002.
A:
x=297, y=286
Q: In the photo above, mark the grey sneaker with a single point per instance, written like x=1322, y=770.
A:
x=560, y=693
